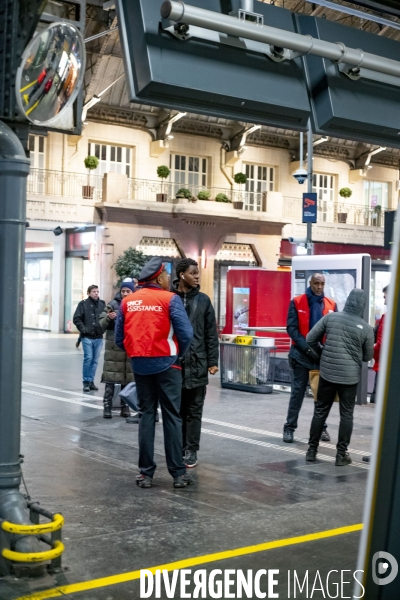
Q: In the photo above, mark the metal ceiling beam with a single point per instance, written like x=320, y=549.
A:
x=355, y=13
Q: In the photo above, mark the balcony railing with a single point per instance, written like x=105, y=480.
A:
x=148, y=190
x=59, y=184
x=351, y=214
x=43, y=182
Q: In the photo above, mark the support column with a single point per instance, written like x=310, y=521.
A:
x=58, y=285
x=207, y=277
x=309, y=181
x=14, y=169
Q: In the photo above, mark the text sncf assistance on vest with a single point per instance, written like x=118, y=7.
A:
x=137, y=306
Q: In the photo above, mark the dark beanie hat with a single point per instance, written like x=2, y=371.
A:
x=128, y=283
x=152, y=269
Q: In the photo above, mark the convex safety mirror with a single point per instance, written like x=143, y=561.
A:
x=51, y=73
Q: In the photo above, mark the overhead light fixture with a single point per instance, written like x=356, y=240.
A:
x=370, y=154
x=97, y=97
x=321, y=141
x=173, y=120
x=246, y=133
x=356, y=13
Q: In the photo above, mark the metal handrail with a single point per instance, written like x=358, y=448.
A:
x=336, y=212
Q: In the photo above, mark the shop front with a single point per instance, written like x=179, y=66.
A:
x=80, y=271
x=37, y=290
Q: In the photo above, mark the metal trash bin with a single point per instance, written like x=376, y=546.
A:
x=247, y=368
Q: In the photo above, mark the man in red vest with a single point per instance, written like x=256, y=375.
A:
x=154, y=330
x=304, y=312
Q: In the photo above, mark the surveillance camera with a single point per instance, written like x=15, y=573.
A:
x=296, y=240
x=301, y=175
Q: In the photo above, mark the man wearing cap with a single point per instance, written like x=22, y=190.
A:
x=153, y=328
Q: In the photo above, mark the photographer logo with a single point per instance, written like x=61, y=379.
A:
x=384, y=568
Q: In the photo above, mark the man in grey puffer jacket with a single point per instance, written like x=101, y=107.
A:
x=349, y=341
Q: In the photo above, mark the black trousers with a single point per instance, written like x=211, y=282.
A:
x=326, y=395
x=372, y=398
x=300, y=376
x=166, y=388
x=191, y=413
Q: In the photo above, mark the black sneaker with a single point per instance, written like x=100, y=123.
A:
x=342, y=460
x=86, y=386
x=311, y=455
x=325, y=437
x=183, y=480
x=144, y=481
x=288, y=436
x=92, y=386
x=366, y=458
x=190, y=459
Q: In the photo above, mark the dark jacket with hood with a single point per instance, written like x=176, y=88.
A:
x=86, y=318
x=117, y=365
x=349, y=341
x=204, y=348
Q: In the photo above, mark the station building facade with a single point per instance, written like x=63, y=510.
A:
x=118, y=206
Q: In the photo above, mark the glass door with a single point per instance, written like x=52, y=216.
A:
x=37, y=293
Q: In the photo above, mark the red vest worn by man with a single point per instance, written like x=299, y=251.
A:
x=148, y=330
x=303, y=311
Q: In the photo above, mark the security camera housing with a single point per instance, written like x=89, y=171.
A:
x=296, y=240
x=300, y=175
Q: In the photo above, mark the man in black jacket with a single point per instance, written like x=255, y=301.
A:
x=87, y=321
x=200, y=359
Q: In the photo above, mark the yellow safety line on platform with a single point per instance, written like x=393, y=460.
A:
x=27, y=86
x=32, y=107
x=190, y=562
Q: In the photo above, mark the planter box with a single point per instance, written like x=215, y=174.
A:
x=342, y=217
x=87, y=191
x=162, y=197
x=238, y=205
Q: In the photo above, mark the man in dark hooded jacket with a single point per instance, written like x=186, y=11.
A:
x=348, y=342
x=200, y=360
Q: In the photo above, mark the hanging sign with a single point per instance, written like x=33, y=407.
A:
x=309, y=207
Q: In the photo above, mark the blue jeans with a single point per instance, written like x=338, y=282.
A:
x=91, y=353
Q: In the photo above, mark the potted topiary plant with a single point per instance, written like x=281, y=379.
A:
x=204, y=195
x=162, y=172
x=222, y=198
x=91, y=163
x=184, y=193
x=344, y=193
x=239, y=178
